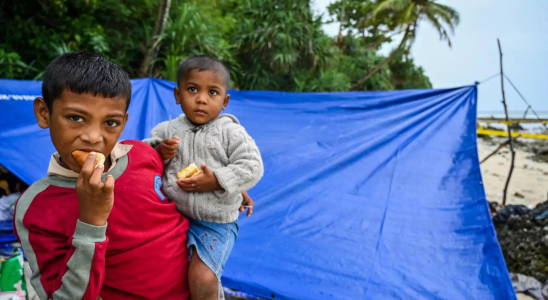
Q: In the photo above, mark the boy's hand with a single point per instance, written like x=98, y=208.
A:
x=204, y=182
x=247, y=203
x=95, y=199
x=168, y=148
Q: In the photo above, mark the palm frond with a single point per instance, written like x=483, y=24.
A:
x=432, y=18
x=447, y=14
x=410, y=14
x=391, y=6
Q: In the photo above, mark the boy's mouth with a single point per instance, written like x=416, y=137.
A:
x=87, y=150
x=200, y=112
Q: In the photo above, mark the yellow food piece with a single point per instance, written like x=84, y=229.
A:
x=190, y=171
x=81, y=156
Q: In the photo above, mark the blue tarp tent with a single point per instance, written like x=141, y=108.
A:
x=366, y=195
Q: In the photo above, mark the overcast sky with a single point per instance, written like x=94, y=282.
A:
x=522, y=27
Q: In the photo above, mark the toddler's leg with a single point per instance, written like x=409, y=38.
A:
x=202, y=281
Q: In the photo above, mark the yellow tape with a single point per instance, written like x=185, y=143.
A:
x=512, y=122
x=482, y=131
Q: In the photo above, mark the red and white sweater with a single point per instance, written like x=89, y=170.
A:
x=140, y=254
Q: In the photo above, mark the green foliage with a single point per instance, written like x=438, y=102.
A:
x=189, y=31
x=11, y=65
x=267, y=44
x=407, y=13
x=277, y=41
x=357, y=16
x=406, y=76
x=379, y=20
x=38, y=31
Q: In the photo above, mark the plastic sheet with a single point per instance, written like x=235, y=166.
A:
x=366, y=195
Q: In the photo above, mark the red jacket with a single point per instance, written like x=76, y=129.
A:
x=140, y=254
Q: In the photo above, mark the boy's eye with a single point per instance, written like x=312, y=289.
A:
x=192, y=89
x=213, y=93
x=75, y=118
x=112, y=123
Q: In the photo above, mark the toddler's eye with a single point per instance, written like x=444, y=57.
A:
x=192, y=89
x=75, y=118
x=112, y=123
x=213, y=93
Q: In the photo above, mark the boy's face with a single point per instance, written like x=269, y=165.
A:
x=82, y=122
x=202, y=95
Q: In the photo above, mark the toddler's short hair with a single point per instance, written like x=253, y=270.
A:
x=203, y=63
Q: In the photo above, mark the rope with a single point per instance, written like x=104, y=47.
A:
x=488, y=78
x=526, y=111
x=526, y=102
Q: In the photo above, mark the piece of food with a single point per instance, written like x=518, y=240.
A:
x=190, y=171
x=81, y=156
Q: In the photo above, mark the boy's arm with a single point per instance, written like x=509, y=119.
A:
x=63, y=268
x=245, y=167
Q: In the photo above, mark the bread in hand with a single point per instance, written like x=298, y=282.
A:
x=190, y=171
x=81, y=156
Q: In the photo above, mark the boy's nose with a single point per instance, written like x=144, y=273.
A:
x=92, y=136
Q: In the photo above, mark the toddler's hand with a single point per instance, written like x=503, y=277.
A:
x=204, y=182
x=168, y=148
x=95, y=199
x=247, y=203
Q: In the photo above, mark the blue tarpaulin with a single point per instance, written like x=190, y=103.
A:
x=366, y=195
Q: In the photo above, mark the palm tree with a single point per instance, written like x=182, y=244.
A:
x=406, y=14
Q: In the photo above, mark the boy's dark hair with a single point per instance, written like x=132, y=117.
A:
x=85, y=72
x=203, y=63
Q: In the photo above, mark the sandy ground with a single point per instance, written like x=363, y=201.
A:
x=529, y=183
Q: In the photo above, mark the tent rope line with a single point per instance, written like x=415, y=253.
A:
x=488, y=78
x=529, y=107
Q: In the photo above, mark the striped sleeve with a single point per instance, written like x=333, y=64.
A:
x=63, y=267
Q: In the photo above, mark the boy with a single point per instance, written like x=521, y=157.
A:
x=61, y=220
x=230, y=164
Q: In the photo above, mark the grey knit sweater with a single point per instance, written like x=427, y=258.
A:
x=226, y=148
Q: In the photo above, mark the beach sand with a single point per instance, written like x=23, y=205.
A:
x=529, y=183
x=524, y=297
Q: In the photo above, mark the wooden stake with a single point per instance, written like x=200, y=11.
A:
x=510, y=142
x=496, y=150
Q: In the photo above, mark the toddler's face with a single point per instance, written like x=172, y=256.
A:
x=82, y=122
x=202, y=95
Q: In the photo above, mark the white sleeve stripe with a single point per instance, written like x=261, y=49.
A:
x=22, y=206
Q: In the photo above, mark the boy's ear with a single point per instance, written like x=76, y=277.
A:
x=176, y=94
x=227, y=98
x=41, y=112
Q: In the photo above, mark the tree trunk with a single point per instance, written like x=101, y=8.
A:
x=154, y=46
x=376, y=68
x=342, y=18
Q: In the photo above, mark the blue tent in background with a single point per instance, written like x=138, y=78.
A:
x=366, y=195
